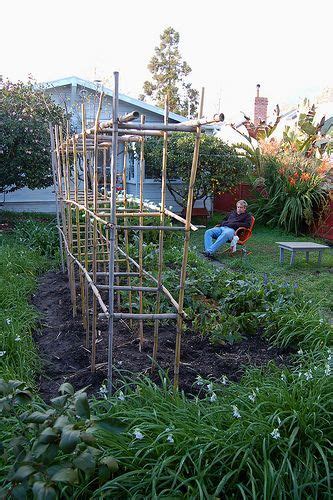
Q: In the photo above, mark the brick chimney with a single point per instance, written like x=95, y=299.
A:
x=260, y=108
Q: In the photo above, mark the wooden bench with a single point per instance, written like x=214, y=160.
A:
x=300, y=246
x=198, y=212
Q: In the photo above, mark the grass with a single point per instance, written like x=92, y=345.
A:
x=316, y=282
x=20, y=264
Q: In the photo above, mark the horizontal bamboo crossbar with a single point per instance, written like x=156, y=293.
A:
x=140, y=316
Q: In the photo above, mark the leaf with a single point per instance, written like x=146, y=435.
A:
x=66, y=388
x=88, y=438
x=112, y=425
x=23, y=472
x=60, y=401
x=65, y=475
x=69, y=440
x=38, y=417
x=61, y=422
x=23, y=396
x=82, y=406
x=48, y=436
x=19, y=492
x=43, y=492
x=85, y=462
x=111, y=463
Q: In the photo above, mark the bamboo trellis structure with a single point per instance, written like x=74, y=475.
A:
x=95, y=224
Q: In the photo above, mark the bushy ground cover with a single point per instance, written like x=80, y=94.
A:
x=268, y=436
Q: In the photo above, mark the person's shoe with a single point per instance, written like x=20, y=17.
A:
x=208, y=255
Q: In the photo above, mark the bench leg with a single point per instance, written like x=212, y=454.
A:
x=281, y=255
x=307, y=256
x=320, y=253
x=292, y=257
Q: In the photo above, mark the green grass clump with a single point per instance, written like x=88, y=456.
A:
x=265, y=438
x=19, y=268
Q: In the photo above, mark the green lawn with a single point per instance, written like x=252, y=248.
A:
x=315, y=281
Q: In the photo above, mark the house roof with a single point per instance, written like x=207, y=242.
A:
x=74, y=80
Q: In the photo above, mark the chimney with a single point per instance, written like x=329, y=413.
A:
x=260, y=108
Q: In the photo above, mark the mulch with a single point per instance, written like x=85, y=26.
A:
x=60, y=340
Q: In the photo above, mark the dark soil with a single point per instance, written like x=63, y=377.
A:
x=60, y=341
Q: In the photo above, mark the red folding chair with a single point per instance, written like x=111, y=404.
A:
x=244, y=234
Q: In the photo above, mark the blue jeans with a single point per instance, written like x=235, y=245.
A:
x=220, y=234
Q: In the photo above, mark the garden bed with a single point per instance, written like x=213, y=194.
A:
x=64, y=358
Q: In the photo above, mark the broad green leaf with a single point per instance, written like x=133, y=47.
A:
x=111, y=463
x=48, y=435
x=60, y=401
x=85, y=462
x=61, y=422
x=69, y=440
x=38, y=417
x=43, y=492
x=65, y=475
x=82, y=406
x=23, y=472
x=66, y=388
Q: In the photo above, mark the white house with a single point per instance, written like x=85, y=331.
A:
x=70, y=93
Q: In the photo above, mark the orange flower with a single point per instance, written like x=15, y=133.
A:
x=305, y=176
x=292, y=181
x=296, y=175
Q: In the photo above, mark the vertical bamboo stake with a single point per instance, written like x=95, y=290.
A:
x=78, y=233
x=86, y=224
x=161, y=232
x=70, y=230
x=128, y=268
x=142, y=173
x=112, y=227
x=56, y=193
x=94, y=256
x=186, y=244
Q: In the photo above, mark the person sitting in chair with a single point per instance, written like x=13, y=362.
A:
x=226, y=230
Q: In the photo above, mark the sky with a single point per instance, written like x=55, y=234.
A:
x=231, y=45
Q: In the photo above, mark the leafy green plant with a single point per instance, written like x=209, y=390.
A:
x=39, y=236
x=56, y=449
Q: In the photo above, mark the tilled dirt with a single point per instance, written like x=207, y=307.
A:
x=61, y=346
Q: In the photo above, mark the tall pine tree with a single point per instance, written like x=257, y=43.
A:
x=169, y=73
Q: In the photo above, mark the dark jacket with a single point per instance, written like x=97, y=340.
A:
x=235, y=221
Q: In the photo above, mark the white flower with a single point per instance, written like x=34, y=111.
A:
x=235, y=412
x=252, y=397
x=327, y=370
x=300, y=351
x=275, y=433
x=170, y=439
x=308, y=375
x=17, y=338
x=209, y=387
x=224, y=380
x=199, y=380
x=213, y=397
x=283, y=377
x=121, y=396
x=8, y=321
x=2, y=353
x=138, y=434
x=103, y=391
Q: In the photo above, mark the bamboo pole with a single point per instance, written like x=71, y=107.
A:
x=142, y=173
x=86, y=225
x=104, y=173
x=94, y=264
x=186, y=244
x=86, y=274
x=69, y=225
x=78, y=233
x=56, y=192
x=128, y=266
x=113, y=222
x=161, y=233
